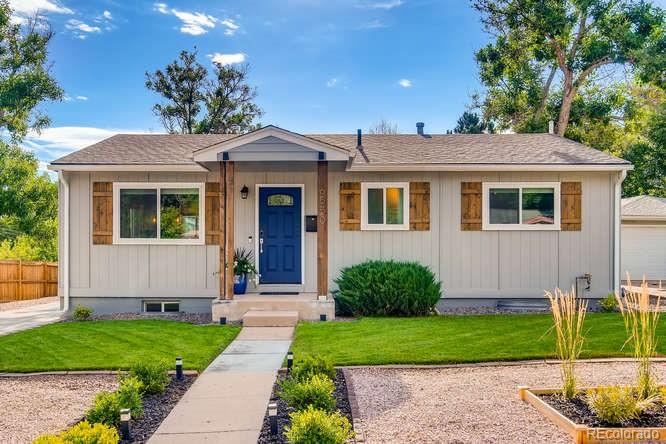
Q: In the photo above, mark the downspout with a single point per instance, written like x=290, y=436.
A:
x=617, y=224
x=64, y=257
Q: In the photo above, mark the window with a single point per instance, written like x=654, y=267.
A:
x=161, y=307
x=385, y=206
x=521, y=206
x=158, y=213
x=280, y=200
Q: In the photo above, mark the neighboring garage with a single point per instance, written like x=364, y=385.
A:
x=643, y=243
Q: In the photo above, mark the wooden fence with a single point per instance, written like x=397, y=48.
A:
x=21, y=280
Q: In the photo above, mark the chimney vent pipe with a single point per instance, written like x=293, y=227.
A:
x=419, y=128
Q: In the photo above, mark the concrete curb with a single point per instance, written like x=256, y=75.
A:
x=490, y=364
x=82, y=372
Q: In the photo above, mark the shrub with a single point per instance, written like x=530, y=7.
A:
x=316, y=392
x=387, y=288
x=153, y=376
x=107, y=405
x=616, y=405
x=82, y=313
x=609, y=303
x=316, y=426
x=309, y=366
x=568, y=318
x=82, y=433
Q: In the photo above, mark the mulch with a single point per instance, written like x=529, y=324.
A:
x=341, y=400
x=576, y=409
x=156, y=408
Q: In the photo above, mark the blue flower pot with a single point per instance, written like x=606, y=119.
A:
x=240, y=283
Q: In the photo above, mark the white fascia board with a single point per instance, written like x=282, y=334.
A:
x=209, y=154
x=132, y=167
x=486, y=167
x=650, y=218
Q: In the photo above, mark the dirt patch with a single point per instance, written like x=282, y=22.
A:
x=14, y=305
x=34, y=405
x=284, y=410
x=468, y=404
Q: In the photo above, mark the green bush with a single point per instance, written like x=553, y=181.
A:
x=82, y=433
x=107, y=405
x=309, y=366
x=153, y=376
x=317, y=426
x=387, y=288
x=609, y=303
x=82, y=313
x=616, y=405
x=316, y=392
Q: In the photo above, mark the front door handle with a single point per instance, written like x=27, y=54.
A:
x=261, y=242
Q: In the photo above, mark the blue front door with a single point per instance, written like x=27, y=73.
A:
x=280, y=235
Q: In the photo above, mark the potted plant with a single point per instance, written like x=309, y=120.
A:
x=243, y=265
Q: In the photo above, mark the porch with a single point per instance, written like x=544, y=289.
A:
x=271, y=199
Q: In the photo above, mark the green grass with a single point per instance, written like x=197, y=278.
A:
x=455, y=339
x=112, y=345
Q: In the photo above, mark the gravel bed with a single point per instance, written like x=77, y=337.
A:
x=468, y=404
x=38, y=404
x=284, y=410
x=14, y=305
x=156, y=408
x=192, y=318
x=577, y=410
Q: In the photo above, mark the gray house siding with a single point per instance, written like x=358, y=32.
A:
x=473, y=265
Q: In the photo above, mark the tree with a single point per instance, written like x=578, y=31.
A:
x=471, y=123
x=578, y=37
x=187, y=89
x=383, y=126
x=25, y=80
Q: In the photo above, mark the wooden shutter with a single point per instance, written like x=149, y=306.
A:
x=102, y=213
x=471, y=200
x=350, y=206
x=213, y=231
x=571, y=206
x=419, y=206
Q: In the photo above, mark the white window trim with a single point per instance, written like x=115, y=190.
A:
x=145, y=303
x=117, y=186
x=365, y=226
x=486, y=225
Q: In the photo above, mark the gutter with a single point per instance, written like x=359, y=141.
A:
x=488, y=167
x=617, y=224
x=64, y=257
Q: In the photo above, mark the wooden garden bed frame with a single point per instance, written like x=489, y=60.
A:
x=583, y=434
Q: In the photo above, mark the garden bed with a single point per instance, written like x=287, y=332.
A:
x=341, y=400
x=156, y=408
x=577, y=419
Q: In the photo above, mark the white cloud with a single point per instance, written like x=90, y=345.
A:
x=161, y=7
x=332, y=82
x=388, y=4
x=405, y=83
x=80, y=29
x=227, y=59
x=55, y=142
x=373, y=24
x=107, y=15
x=82, y=98
x=32, y=7
x=232, y=26
x=195, y=23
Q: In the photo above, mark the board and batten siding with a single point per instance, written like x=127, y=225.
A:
x=471, y=264
x=487, y=264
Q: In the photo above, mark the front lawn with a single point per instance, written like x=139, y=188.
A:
x=455, y=339
x=112, y=345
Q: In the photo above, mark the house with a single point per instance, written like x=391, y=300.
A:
x=644, y=238
x=497, y=217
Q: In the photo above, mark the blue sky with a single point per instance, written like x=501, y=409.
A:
x=319, y=66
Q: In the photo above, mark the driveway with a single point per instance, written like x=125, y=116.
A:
x=19, y=319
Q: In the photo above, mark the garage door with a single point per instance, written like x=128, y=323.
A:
x=644, y=252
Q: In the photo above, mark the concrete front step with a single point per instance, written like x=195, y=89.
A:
x=270, y=318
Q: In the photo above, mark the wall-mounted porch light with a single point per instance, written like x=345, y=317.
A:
x=244, y=192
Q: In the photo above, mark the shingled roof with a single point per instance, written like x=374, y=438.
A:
x=648, y=207
x=407, y=149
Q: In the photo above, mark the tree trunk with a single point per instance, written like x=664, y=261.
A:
x=544, y=93
x=567, y=98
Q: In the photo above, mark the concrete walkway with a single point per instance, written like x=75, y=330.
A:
x=12, y=321
x=228, y=401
